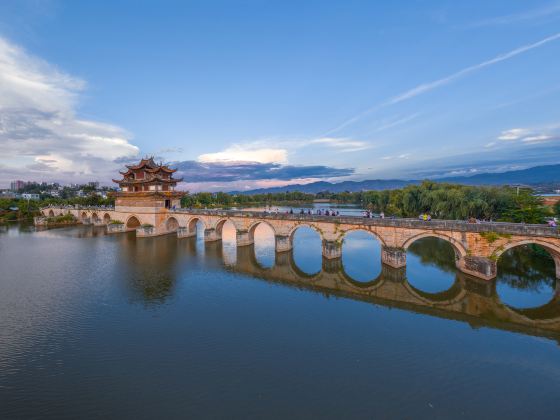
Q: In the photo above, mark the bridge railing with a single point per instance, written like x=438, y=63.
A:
x=434, y=224
x=460, y=225
x=77, y=207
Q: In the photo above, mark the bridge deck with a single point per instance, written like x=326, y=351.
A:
x=435, y=224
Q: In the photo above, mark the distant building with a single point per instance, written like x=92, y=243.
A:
x=17, y=185
x=27, y=196
x=550, y=200
x=93, y=184
x=9, y=195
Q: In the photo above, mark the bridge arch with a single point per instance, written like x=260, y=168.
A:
x=51, y=213
x=219, y=226
x=361, y=255
x=458, y=247
x=307, y=257
x=83, y=216
x=552, y=249
x=171, y=224
x=304, y=225
x=94, y=217
x=192, y=224
x=371, y=233
x=264, y=243
x=132, y=222
x=253, y=227
x=106, y=218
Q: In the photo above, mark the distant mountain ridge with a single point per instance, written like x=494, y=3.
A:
x=534, y=175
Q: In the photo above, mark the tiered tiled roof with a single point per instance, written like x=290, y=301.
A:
x=147, y=172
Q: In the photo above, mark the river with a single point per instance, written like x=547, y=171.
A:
x=95, y=326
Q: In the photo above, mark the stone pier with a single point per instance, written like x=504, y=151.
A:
x=393, y=257
x=243, y=238
x=116, y=228
x=184, y=232
x=332, y=249
x=481, y=267
x=211, y=235
x=283, y=243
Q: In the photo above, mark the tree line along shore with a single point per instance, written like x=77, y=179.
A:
x=440, y=200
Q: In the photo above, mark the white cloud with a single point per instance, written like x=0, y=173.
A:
x=401, y=156
x=513, y=134
x=537, y=138
x=40, y=134
x=268, y=151
x=531, y=135
x=247, y=153
x=342, y=144
x=427, y=87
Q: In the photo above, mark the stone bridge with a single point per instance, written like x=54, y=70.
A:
x=477, y=246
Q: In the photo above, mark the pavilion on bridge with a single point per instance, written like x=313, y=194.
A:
x=147, y=185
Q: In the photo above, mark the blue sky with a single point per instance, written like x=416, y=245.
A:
x=243, y=94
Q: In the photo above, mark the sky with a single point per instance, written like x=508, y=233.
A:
x=248, y=94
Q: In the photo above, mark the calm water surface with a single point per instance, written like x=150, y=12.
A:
x=96, y=326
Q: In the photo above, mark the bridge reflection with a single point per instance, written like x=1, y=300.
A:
x=150, y=269
x=469, y=299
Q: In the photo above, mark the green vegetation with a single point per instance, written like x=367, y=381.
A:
x=451, y=201
x=147, y=225
x=27, y=209
x=221, y=199
x=494, y=236
x=490, y=236
x=63, y=219
x=527, y=267
x=116, y=222
x=442, y=201
x=13, y=209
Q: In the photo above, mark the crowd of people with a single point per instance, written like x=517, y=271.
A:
x=318, y=212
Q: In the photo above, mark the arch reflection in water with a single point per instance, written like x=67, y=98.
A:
x=526, y=277
x=198, y=226
x=361, y=256
x=265, y=246
x=226, y=230
x=307, y=249
x=431, y=265
x=468, y=299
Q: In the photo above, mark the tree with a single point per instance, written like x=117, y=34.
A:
x=527, y=208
